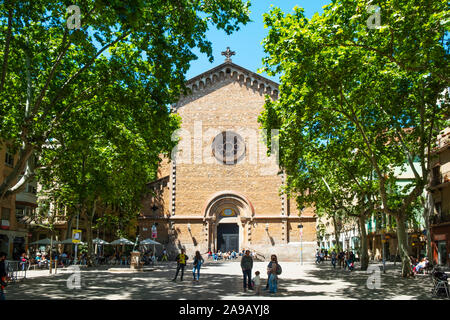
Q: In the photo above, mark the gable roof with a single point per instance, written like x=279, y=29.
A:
x=228, y=70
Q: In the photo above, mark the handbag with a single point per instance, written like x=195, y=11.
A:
x=279, y=269
x=3, y=282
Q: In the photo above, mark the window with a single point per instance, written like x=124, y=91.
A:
x=436, y=178
x=438, y=208
x=6, y=212
x=31, y=189
x=9, y=159
x=228, y=213
x=228, y=147
x=20, y=211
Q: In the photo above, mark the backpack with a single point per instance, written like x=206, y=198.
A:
x=279, y=269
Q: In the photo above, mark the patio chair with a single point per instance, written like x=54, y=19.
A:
x=440, y=283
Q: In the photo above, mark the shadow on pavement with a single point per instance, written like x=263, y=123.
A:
x=320, y=282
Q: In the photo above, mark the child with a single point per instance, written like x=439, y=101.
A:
x=257, y=283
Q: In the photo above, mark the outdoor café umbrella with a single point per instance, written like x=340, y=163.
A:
x=97, y=242
x=150, y=241
x=46, y=241
x=69, y=241
x=122, y=241
x=153, y=242
x=100, y=241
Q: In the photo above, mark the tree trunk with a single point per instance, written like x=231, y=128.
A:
x=51, y=252
x=428, y=212
x=69, y=234
x=337, y=233
x=89, y=233
x=364, y=257
x=402, y=236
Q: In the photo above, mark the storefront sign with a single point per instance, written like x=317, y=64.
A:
x=440, y=237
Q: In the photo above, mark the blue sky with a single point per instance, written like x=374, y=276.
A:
x=247, y=41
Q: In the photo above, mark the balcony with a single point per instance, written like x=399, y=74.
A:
x=440, y=180
x=442, y=143
x=439, y=219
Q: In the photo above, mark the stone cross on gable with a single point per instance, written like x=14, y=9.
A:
x=228, y=53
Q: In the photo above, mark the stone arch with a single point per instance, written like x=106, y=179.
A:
x=231, y=198
x=261, y=88
x=212, y=219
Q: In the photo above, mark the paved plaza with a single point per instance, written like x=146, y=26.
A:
x=221, y=280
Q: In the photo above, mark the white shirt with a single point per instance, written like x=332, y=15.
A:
x=257, y=280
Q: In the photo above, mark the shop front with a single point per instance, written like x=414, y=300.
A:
x=440, y=243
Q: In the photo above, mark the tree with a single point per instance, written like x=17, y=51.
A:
x=339, y=179
x=133, y=48
x=389, y=108
x=105, y=155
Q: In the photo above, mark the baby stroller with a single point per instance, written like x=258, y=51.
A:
x=440, y=283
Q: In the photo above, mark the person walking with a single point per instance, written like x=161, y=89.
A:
x=246, y=266
x=341, y=259
x=347, y=256
x=23, y=261
x=198, y=261
x=272, y=270
x=181, y=263
x=333, y=259
x=351, y=261
x=317, y=256
x=3, y=275
x=164, y=255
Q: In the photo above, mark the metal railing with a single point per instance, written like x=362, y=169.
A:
x=16, y=270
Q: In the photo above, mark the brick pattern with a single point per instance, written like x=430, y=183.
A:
x=228, y=102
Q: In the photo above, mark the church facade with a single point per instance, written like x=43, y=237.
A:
x=221, y=191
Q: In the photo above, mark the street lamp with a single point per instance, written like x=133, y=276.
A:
x=300, y=227
x=267, y=227
x=189, y=226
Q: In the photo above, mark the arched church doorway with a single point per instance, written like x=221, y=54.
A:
x=228, y=237
x=227, y=216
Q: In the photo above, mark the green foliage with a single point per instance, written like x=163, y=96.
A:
x=93, y=104
x=357, y=104
x=339, y=96
x=127, y=62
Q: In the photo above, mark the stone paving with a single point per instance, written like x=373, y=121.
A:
x=221, y=280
